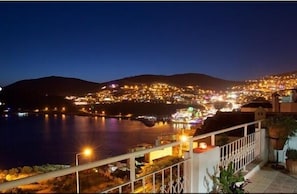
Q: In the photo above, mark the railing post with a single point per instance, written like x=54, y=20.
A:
x=245, y=133
x=212, y=140
x=245, y=130
x=191, y=165
x=264, y=146
x=258, y=142
x=132, y=171
x=188, y=168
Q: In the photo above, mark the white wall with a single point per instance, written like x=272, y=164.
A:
x=203, y=163
x=291, y=143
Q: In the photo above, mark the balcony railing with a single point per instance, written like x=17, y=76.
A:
x=240, y=152
x=185, y=172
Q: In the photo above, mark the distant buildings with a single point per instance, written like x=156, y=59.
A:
x=255, y=104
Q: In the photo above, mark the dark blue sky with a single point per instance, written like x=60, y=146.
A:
x=103, y=41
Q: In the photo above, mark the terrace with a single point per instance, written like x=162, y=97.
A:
x=196, y=159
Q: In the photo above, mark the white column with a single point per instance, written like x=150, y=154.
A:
x=264, y=141
x=258, y=143
x=203, y=162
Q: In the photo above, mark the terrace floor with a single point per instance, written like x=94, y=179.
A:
x=271, y=180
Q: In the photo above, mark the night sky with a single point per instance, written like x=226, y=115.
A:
x=103, y=41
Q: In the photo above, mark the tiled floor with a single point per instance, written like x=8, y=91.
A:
x=269, y=180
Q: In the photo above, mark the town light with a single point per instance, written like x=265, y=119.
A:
x=87, y=152
x=183, y=138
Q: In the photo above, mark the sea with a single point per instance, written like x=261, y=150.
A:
x=57, y=138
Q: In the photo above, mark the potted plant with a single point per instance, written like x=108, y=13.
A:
x=280, y=128
x=291, y=160
x=228, y=181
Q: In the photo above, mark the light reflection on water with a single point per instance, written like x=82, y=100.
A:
x=55, y=139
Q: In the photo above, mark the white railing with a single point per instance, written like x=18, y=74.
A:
x=240, y=152
x=168, y=179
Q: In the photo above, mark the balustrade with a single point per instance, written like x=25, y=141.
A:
x=175, y=177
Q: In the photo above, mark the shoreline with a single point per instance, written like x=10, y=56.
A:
x=119, y=116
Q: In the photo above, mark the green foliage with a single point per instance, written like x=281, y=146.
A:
x=37, y=169
x=286, y=122
x=227, y=178
x=162, y=163
x=225, y=181
x=291, y=154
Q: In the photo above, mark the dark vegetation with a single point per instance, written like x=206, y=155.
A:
x=31, y=102
x=44, y=92
x=157, y=109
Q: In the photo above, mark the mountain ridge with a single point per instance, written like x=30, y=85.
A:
x=62, y=86
x=181, y=80
x=51, y=88
x=58, y=83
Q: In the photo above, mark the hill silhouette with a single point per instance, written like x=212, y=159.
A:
x=181, y=80
x=50, y=90
x=47, y=91
x=53, y=86
x=61, y=86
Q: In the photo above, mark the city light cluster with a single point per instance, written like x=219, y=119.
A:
x=231, y=99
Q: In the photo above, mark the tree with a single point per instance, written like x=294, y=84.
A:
x=27, y=170
x=219, y=105
x=13, y=171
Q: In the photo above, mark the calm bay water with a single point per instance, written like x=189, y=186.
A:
x=37, y=140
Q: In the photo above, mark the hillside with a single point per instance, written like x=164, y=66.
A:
x=285, y=73
x=61, y=86
x=50, y=91
x=52, y=86
x=181, y=80
x=47, y=91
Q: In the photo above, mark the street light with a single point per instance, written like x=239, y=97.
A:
x=86, y=152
